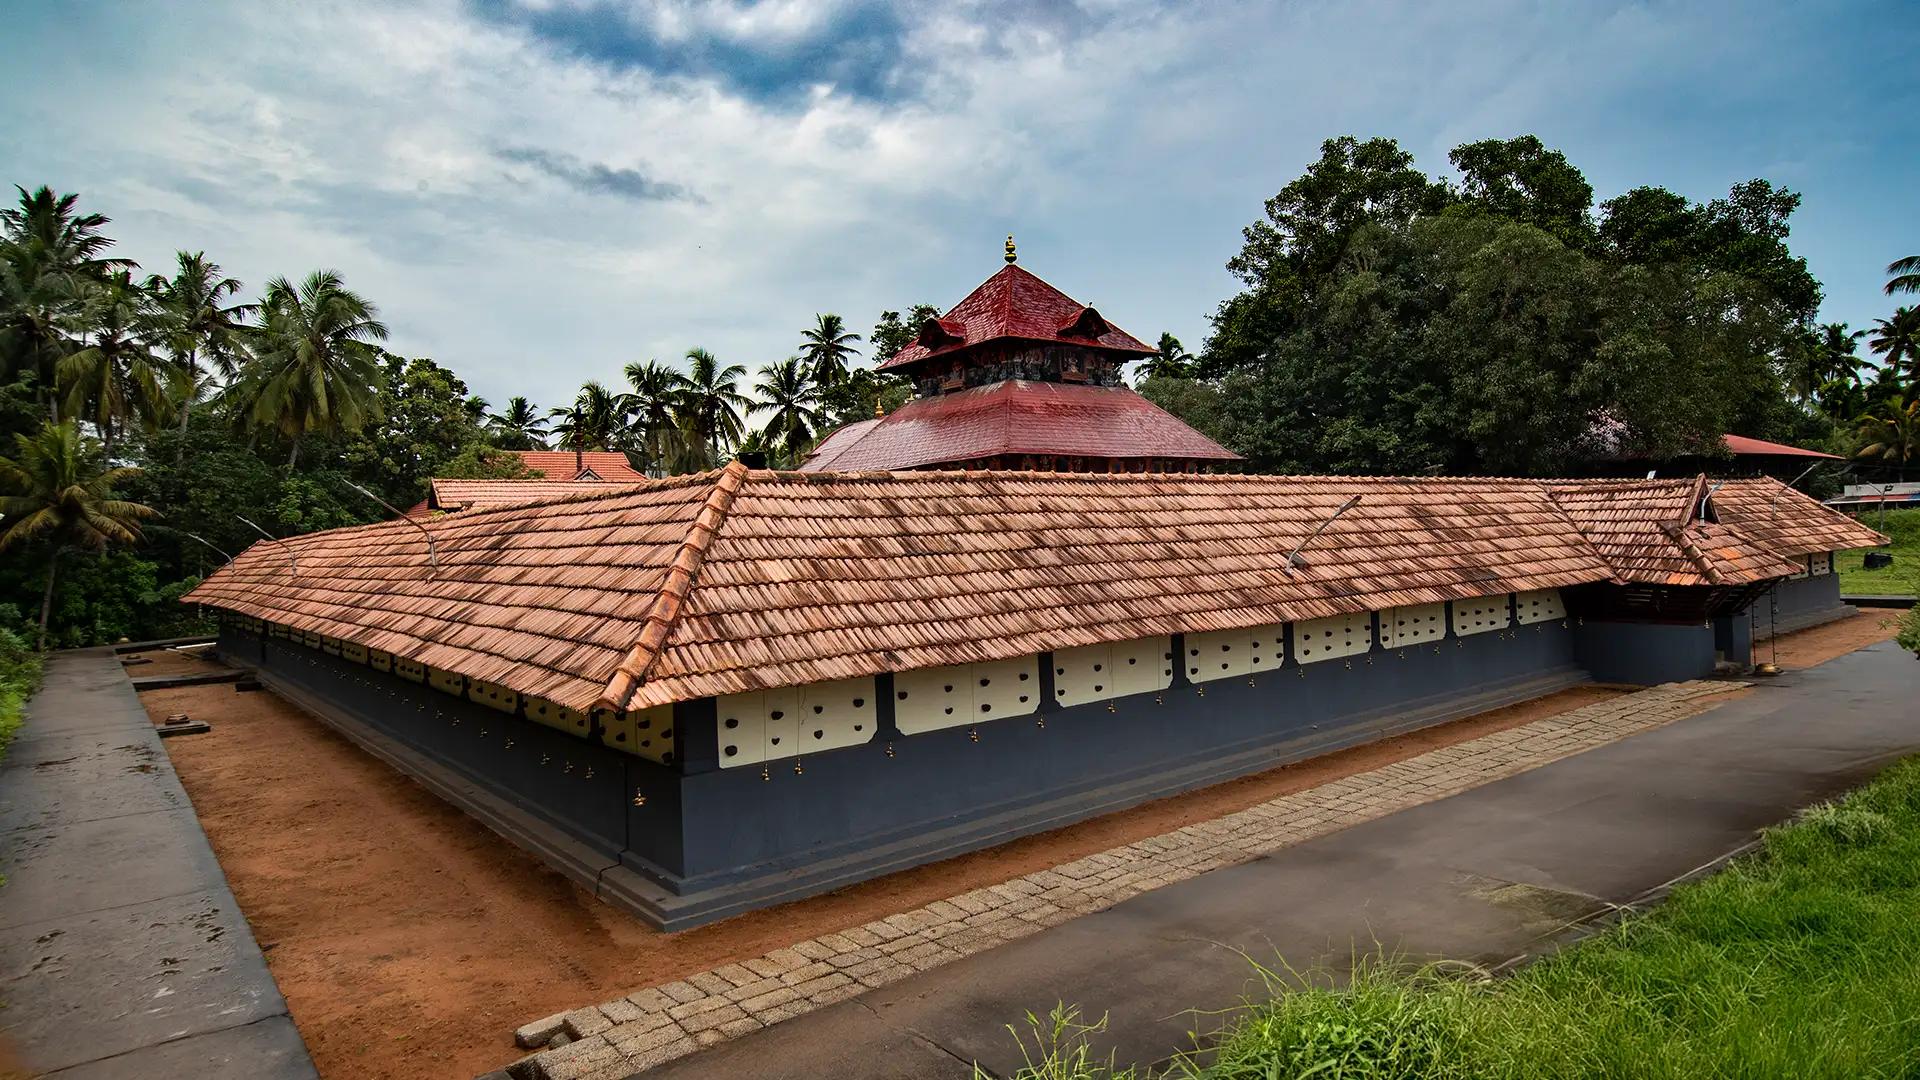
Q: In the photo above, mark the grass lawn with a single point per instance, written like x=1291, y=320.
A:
x=1900, y=579
x=19, y=677
x=1800, y=960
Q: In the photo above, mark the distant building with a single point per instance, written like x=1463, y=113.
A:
x=563, y=473
x=1020, y=376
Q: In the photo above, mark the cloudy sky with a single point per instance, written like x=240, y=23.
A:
x=536, y=192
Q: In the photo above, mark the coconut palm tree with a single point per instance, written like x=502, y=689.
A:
x=315, y=369
x=118, y=374
x=59, y=490
x=827, y=348
x=201, y=327
x=711, y=405
x=1906, y=275
x=595, y=420
x=521, y=427
x=791, y=397
x=1891, y=436
x=49, y=257
x=1170, y=360
x=655, y=404
x=1897, y=342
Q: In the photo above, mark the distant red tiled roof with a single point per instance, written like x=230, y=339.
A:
x=838, y=442
x=563, y=465
x=1740, y=444
x=739, y=580
x=1015, y=304
x=1015, y=417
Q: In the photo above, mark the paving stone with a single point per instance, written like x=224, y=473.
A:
x=662, y=1054
x=813, y=949
x=802, y=974
x=633, y=1043
x=651, y=999
x=535, y=1035
x=862, y=936
x=771, y=998
x=622, y=1011
x=710, y=982
x=581, y=1023
x=685, y=1013
x=578, y=1060
x=713, y=1018
x=683, y=991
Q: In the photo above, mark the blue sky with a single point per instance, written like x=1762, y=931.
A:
x=536, y=192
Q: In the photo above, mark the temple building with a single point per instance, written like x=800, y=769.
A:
x=707, y=694
x=1020, y=376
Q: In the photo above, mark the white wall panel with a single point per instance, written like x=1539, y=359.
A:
x=446, y=682
x=1415, y=624
x=928, y=699
x=740, y=727
x=1822, y=562
x=834, y=714
x=1266, y=647
x=410, y=669
x=355, y=653
x=1333, y=637
x=1005, y=688
x=1217, y=654
x=781, y=733
x=1480, y=615
x=653, y=734
x=1084, y=674
x=1140, y=666
x=1539, y=605
x=379, y=661
x=493, y=696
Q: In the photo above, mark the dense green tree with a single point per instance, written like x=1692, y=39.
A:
x=199, y=326
x=482, y=462
x=315, y=369
x=51, y=256
x=520, y=427
x=119, y=373
x=596, y=420
x=893, y=333
x=59, y=490
x=420, y=421
x=711, y=406
x=827, y=348
x=1521, y=180
x=786, y=392
x=1890, y=435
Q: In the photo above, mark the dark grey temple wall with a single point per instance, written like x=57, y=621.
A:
x=691, y=842
x=1798, y=603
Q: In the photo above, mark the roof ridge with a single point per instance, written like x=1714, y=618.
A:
x=664, y=613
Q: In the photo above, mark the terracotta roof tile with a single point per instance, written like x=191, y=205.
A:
x=448, y=496
x=737, y=580
x=1013, y=303
x=1788, y=521
x=608, y=465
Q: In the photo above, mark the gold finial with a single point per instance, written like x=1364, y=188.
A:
x=878, y=410
x=1010, y=254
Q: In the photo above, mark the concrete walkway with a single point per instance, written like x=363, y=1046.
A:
x=1481, y=875
x=122, y=952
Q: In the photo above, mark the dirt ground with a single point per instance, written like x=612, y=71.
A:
x=1822, y=643
x=410, y=941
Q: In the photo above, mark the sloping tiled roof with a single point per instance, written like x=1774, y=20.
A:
x=1740, y=444
x=737, y=580
x=1650, y=532
x=1014, y=417
x=1787, y=521
x=610, y=465
x=838, y=442
x=450, y=495
x=1015, y=304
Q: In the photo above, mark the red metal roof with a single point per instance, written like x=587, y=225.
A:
x=1015, y=304
x=609, y=465
x=842, y=439
x=1018, y=417
x=1740, y=444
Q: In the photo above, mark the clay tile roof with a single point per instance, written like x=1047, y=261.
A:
x=1015, y=417
x=1013, y=303
x=451, y=495
x=609, y=465
x=738, y=580
x=1787, y=520
x=839, y=442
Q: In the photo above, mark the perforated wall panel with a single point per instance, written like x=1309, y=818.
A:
x=1140, y=666
x=1416, y=624
x=354, y=653
x=380, y=661
x=1217, y=654
x=1084, y=674
x=1333, y=637
x=1005, y=688
x=835, y=714
x=1539, y=605
x=741, y=728
x=653, y=736
x=781, y=732
x=330, y=645
x=932, y=698
x=409, y=669
x=542, y=711
x=493, y=696
x=446, y=681
x=1822, y=562
x=1481, y=614
x=1266, y=647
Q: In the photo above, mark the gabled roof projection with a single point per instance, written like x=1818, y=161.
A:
x=1015, y=417
x=448, y=496
x=1744, y=446
x=1015, y=304
x=738, y=580
x=1787, y=521
x=1651, y=533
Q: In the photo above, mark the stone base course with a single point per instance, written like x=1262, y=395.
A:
x=624, y=1036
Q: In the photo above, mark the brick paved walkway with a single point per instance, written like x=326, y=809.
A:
x=654, y=1025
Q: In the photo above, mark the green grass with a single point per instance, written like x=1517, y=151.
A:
x=1801, y=960
x=1901, y=578
x=19, y=677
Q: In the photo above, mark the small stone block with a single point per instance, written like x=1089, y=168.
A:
x=683, y=991
x=535, y=1035
x=581, y=1023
